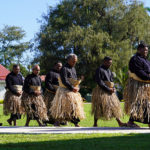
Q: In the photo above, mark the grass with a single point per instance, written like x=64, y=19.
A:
x=74, y=141
x=88, y=122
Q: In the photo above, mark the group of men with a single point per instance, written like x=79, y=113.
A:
x=105, y=103
x=62, y=102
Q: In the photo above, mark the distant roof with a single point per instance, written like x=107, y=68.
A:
x=3, y=72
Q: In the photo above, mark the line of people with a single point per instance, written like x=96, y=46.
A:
x=105, y=103
x=62, y=102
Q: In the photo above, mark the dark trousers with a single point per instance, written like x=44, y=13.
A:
x=15, y=116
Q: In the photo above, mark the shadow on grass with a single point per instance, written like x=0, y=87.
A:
x=79, y=142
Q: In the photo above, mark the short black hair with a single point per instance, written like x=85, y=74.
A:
x=57, y=62
x=141, y=45
x=15, y=66
x=107, y=58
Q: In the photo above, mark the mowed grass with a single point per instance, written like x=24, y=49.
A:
x=87, y=122
x=74, y=141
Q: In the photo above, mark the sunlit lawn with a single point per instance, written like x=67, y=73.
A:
x=88, y=122
x=74, y=141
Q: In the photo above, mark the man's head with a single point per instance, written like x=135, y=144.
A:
x=72, y=59
x=142, y=49
x=107, y=61
x=58, y=66
x=36, y=69
x=16, y=69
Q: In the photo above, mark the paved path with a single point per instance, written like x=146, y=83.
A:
x=69, y=130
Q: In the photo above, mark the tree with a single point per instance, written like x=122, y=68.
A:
x=11, y=47
x=92, y=30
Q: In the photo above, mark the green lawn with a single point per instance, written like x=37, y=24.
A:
x=74, y=141
x=88, y=122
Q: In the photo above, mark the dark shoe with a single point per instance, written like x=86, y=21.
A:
x=95, y=125
x=9, y=122
x=64, y=123
x=51, y=122
x=45, y=123
x=57, y=124
x=77, y=125
x=15, y=123
x=1, y=124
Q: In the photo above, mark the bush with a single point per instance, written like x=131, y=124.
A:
x=1, y=101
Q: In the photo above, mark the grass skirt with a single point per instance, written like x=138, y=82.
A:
x=12, y=104
x=137, y=100
x=48, y=98
x=34, y=106
x=67, y=105
x=104, y=105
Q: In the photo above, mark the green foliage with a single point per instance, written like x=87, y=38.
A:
x=11, y=47
x=1, y=101
x=23, y=70
x=92, y=30
x=121, y=78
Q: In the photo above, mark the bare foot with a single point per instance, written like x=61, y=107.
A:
x=122, y=124
x=132, y=125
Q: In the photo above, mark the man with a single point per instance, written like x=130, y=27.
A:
x=137, y=91
x=32, y=98
x=67, y=104
x=105, y=103
x=51, y=84
x=12, y=100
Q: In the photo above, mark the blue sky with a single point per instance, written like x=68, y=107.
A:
x=146, y=2
x=24, y=13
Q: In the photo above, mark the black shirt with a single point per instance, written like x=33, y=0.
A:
x=13, y=79
x=31, y=80
x=140, y=66
x=103, y=74
x=68, y=72
x=52, y=79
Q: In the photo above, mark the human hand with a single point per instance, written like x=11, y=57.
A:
x=112, y=90
x=75, y=89
x=37, y=93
